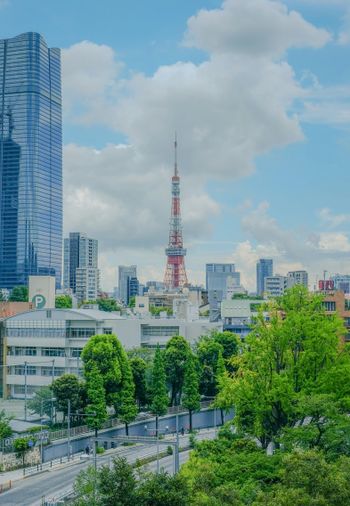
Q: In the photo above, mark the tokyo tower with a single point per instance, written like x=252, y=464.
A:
x=175, y=272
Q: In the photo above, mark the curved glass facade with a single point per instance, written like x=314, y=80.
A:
x=30, y=160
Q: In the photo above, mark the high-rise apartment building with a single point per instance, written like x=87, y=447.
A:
x=264, y=269
x=30, y=160
x=275, y=286
x=298, y=278
x=81, y=274
x=218, y=277
x=125, y=273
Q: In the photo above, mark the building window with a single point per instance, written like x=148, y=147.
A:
x=76, y=352
x=53, y=352
x=19, y=370
x=329, y=305
x=22, y=351
x=107, y=330
x=159, y=331
x=20, y=389
x=47, y=371
x=81, y=332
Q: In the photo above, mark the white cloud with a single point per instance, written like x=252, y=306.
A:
x=254, y=28
x=333, y=220
x=227, y=110
x=290, y=249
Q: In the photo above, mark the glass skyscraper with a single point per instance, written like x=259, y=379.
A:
x=264, y=269
x=30, y=160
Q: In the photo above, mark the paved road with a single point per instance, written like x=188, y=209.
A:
x=29, y=491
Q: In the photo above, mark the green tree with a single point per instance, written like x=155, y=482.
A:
x=106, y=352
x=126, y=406
x=85, y=488
x=229, y=342
x=117, y=485
x=22, y=445
x=5, y=427
x=163, y=490
x=159, y=393
x=108, y=305
x=42, y=402
x=63, y=301
x=283, y=358
x=139, y=368
x=208, y=351
x=176, y=353
x=96, y=400
x=132, y=301
x=19, y=294
x=67, y=387
x=191, y=395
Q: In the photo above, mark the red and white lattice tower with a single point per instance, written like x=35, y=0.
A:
x=175, y=272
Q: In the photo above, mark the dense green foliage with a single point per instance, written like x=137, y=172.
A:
x=108, y=305
x=5, y=428
x=63, y=301
x=120, y=486
x=19, y=294
x=285, y=358
x=191, y=396
x=96, y=400
x=175, y=356
x=139, y=371
x=42, y=402
x=67, y=387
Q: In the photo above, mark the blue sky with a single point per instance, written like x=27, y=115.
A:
x=259, y=92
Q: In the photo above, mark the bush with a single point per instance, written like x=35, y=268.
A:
x=100, y=450
x=169, y=450
x=193, y=440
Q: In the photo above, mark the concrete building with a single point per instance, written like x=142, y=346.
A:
x=43, y=344
x=264, y=269
x=298, y=278
x=81, y=274
x=42, y=291
x=338, y=302
x=87, y=284
x=125, y=272
x=341, y=282
x=238, y=314
x=217, y=278
x=275, y=286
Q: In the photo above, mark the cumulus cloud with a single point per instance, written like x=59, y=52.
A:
x=290, y=249
x=256, y=28
x=227, y=110
x=333, y=220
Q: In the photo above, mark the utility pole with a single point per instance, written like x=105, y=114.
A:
x=177, y=463
x=25, y=390
x=68, y=438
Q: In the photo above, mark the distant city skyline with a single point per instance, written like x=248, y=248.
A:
x=259, y=95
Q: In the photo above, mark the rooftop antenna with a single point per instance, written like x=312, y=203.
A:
x=175, y=149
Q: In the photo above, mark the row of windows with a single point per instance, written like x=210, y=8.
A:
x=31, y=351
x=20, y=370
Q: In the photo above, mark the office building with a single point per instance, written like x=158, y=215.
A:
x=30, y=160
x=125, y=272
x=275, y=286
x=81, y=273
x=298, y=278
x=218, y=278
x=341, y=282
x=42, y=345
x=264, y=268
